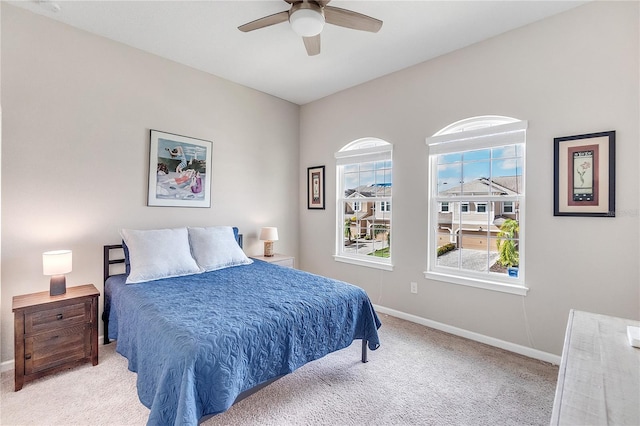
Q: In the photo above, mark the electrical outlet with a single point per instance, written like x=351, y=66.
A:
x=414, y=287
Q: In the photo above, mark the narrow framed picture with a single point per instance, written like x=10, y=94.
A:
x=179, y=171
x=584, y=175
x=315, y=187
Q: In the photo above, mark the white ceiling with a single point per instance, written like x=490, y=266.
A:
x=204, y=35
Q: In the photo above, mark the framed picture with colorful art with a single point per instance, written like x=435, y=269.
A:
x=315, y=187
x=179, y=171
x=584, y=175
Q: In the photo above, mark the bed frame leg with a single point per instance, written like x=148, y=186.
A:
x=364, y=351
x=106, y=329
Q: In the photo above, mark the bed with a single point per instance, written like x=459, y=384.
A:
x=201, y=342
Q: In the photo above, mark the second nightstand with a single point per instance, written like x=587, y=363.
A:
x=279, y=259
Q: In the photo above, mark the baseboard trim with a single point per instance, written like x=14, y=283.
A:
x=7, y=365
x=502, y=344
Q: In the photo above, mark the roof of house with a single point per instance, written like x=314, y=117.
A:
x=499, y=185
x=375, y=190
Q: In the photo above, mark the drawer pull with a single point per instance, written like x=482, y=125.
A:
x=27, y=356
x=59, y=316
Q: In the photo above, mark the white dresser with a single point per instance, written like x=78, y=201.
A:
x=599, y=377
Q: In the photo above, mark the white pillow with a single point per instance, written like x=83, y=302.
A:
x=216, y=248
x=158, y=253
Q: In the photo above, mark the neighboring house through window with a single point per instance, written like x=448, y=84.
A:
x=363, y=170
x=476, y=170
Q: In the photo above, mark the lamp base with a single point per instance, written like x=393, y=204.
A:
x=57, y=285
x=268, y=249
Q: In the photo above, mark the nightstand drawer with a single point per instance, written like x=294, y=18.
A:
x=54, y=348
x=60, y=317
x=284, y=262
x=278, y=259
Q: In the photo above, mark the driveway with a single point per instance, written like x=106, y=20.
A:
x=474, y=260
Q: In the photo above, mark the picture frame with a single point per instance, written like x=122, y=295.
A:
x=315, y=188
x=180, y=169
x=584, y=175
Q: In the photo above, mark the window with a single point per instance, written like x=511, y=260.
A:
x=444, y=207
x=476, y=168
x=363, y=170
x=507, y=207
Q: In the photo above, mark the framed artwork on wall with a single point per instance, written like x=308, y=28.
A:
x=584, y=175
x=315, y=187
x=179, y=171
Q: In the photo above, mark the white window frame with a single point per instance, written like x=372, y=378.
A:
x=442, y=210
x=466, y=135
x=385, y=206
x=356, y=206
x=481, y=204
x=360, y=151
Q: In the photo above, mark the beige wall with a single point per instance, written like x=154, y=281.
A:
x=77, y=113
x=570, y=74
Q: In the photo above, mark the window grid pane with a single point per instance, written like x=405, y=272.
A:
x=473, y=224
x=364, y=219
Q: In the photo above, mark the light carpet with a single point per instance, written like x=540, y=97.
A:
x=419, y=376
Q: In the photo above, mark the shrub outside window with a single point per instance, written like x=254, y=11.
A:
x=363, y=170
x=477, y=169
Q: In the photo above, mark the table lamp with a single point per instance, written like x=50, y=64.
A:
x=57, y=263
x=269, y=234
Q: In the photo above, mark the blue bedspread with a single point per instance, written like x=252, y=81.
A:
x=197, y=342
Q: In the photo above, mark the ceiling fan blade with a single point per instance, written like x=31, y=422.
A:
x=312, y=44
x=350, y=19
x=267, y=21
x=322, y=3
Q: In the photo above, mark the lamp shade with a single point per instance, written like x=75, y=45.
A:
x=307, y=22
x=56, y=262
x=269, y=233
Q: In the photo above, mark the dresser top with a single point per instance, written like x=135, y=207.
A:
x=43, y=297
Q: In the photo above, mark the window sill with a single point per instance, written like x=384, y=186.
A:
x=478, y=283
x=363, y=262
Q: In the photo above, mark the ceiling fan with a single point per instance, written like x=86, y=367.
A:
x=307, y=18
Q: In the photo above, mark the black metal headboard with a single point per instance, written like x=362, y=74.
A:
x=107, y=261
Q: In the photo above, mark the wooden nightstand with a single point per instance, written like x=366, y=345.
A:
x=279, y=259
x=54, y=333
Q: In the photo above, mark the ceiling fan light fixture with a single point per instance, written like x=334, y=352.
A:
x=307, y=22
